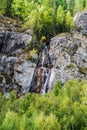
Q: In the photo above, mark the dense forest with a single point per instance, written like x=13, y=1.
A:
x=47, y=17
x=64, y=107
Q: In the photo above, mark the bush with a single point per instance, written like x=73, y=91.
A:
x=57, y=87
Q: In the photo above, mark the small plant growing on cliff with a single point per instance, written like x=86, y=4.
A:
x=43, y=39
x=32, y=54
x=57, y=87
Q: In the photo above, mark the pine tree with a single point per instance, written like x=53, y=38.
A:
x=60, y=18
x=8, y=7
x=68, y=21
x=71, y=6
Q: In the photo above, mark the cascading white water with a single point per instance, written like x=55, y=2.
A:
x=46, y=83
x=45, y=70
x=41, y=77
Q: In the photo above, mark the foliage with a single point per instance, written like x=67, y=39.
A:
x=10, y=122
x=64, y=108
x=60, y=18
x=68, y=21
x=47, y=17
x=8, y=7
x=32, y=54
x=57, y=87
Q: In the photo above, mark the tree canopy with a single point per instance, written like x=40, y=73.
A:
x=64, y=108
x=47, y=17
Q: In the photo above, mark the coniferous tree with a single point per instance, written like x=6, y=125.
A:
x=64, y=4
x=71, y=6
x=8, y=7
x=60, y=18
x=68, y=21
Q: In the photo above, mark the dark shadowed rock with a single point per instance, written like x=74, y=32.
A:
x=12, y=41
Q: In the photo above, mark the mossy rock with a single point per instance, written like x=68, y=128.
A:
x=70, y=66
x=62, y=34
x=79, y=28
x=82, y=70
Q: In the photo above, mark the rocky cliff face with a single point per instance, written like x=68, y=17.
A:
x=65, y=59
x=69, y=53
x=16, y=71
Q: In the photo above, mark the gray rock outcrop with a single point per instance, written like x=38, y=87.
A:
x=80, y=22
x=69, y=53
x=16, y=71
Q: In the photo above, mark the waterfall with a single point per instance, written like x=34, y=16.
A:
x=42, y=72
x=46, y=70
x=46, y=83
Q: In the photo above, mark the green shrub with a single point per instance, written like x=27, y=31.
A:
x=57, y=87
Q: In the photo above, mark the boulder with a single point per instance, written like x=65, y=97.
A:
x=12, y=41
x=24, y=74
